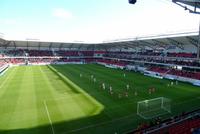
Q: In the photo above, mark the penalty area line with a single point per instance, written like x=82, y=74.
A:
x=48, y=115
x=99, y=124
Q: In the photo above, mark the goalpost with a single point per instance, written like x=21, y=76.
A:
x=152, y=108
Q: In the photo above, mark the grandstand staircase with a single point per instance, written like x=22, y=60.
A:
x=54, y=53
x=26, y=57
x=167, y=72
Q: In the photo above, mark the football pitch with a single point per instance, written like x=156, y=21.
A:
x=64, y=99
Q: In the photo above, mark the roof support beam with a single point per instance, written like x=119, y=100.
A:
x=130, y=46
x=27, y=45
x=71, y=46
x=91, y=46
x=14, y=44
x=61, y=46
x=7, y=43
x=150, y=45
x=104, y=47
x=192, y=41
x=50, y=46
x=198, y=48
x=176, y=43
x=136, y=45
x=127, y=44
x=80, y=46
x=88, y=47
x=3, y=43
x=39, y=45
x=113, y=45
x=160, y=43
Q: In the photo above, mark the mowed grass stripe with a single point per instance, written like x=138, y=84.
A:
x=40, y=92
x=5, y=79
x=50, y=93
x=25, y=114
x=9, y=99
x=5, y=106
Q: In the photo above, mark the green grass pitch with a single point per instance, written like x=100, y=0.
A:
x=56, y=100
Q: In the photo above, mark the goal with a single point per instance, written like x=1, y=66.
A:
x=152, y=108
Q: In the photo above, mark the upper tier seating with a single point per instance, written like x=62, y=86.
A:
x=185, y=55
x=67, y=53
x=38, y=53
x=13, y=53
x=149, y=56
x=87, y=53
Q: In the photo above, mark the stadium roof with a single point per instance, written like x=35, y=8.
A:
x=193, y=3
x=153, y=42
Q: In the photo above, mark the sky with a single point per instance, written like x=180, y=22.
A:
x=92, y=20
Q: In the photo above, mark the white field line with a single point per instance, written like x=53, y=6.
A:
x=133, y=102
x=46, y=108
x=2, y=84
x=99, y=124
x=118, y=119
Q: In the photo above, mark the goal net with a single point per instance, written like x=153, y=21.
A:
x=152, y=108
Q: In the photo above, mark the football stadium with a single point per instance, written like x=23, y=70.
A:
x=144, y=84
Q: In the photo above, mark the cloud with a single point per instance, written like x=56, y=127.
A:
x=62, y=14
x=8, y=21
